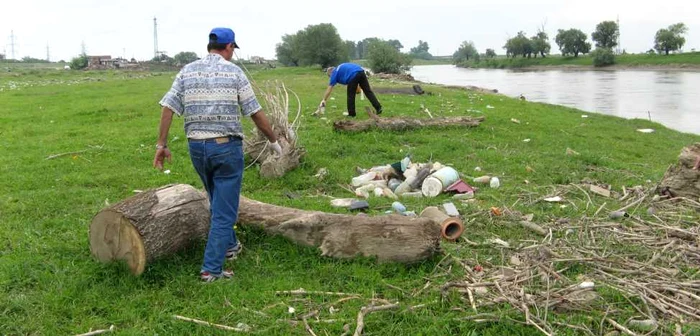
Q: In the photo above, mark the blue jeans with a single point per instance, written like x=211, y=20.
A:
x=220, y=166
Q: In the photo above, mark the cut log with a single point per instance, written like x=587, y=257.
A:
x=389, y=238
x=149, y=225
x=681, y=180
x=401, y=124
x=162, y=221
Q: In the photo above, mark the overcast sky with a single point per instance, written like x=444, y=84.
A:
x=125, y=27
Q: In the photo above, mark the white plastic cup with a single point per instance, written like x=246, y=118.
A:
x=495, y=182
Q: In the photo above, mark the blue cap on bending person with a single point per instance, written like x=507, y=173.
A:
x=223, y=36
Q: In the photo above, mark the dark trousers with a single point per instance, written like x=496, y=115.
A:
x=361, y=80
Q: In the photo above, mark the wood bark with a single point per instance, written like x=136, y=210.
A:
x=681, y=180
x=149, y=225
x=272, y=166
x=389, y=238
x=401, y=124
x=162, y=221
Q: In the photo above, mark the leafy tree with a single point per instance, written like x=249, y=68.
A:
x=606, y=34
x=185, y=57
x=540, y=44
x=80, y=62
x=314, y=45
x=383, y=57
x=421, y=51
x=320, y=44
x=572, y=42
x=490, y=53
x=671, y=38
x=163, y=58
x=466, y=51
x=27, y=59
x=352, y=49
x=519, y=45
x=396, y=44
x=288, y=52
x=363, y=47
x=603, y=57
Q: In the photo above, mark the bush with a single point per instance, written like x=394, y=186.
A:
x=383, y=57
x=80, y=62
x=603, y=57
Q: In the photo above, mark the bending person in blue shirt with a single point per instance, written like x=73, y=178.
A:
x=352, y=75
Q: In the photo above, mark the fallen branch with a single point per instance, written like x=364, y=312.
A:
x=620, y=327
x=302, y=291
x=401, y=124
x=208, y=324
x=97, y=332
x=64, y=154
x=306, y=323
x=366, y=310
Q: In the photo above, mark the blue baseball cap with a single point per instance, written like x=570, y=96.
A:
x=223, y=36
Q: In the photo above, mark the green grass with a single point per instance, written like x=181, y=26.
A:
x=50, y=285
x=638, y=60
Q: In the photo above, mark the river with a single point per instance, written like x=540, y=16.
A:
x=669, y=97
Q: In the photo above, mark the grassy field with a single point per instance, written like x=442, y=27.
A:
x=629, y=60
x=50, y=285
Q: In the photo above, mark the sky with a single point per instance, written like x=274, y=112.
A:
x=125, y=27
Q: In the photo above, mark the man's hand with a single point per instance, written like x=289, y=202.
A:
x=275, y=147
x=159, y=158
x=322, y=104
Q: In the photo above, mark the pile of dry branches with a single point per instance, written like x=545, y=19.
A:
x=275, y=99
x=650, y=260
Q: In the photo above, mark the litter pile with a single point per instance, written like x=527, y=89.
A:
x=406, y=179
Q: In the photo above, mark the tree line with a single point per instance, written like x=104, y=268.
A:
x=574, y=42
x=322, y=45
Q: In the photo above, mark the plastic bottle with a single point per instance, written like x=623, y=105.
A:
x=405, y=186
x=363, y=179
x=398, y=207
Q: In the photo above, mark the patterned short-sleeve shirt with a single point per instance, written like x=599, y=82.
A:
x=211, y=94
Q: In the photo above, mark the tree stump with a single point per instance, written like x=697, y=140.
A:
x=150, y=225
x=681, y=180
x=401, y=124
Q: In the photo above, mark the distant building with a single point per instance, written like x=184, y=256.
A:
x=258, y=60
x=101, y=61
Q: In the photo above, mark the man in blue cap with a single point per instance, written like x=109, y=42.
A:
x=212, y=94
x=352, y=75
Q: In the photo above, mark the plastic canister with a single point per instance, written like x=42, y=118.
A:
x=363, y=179
x=434, y=184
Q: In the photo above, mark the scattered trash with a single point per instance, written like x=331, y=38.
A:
x=477, y=169
x=534, y=228
x=526, y=140
x=291, y=310
x=529, y=169
x=584, y=116
x=137, y=191
x=570, y=151
x=482, y=179
x=321, y=173
x=515, y=120
x=292, y=195
x=465, y=196
x=450, y=209
x=618, y=214
x=600, y=191
x=409, y=213
x=166, y=172
x=651, y=211
x=434, y=184
x=495, y=183
x=398, y=207
x=342, y=202
x=553, y=199
x=363, y=179
x=490, y=107
x=645, y=130
x=379, y=192
x=460, y=187
x=413, y=194
x=478, y=268
x=359, y=205
x=643, y=325
x=586, y=285
x=495, y=211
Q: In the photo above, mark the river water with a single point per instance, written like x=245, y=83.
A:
x=669, y=97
